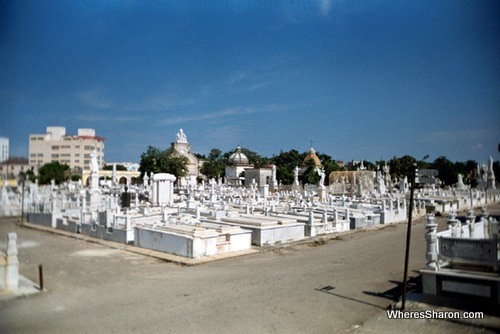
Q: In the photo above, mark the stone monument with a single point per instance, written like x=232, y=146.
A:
x=94, y=191
x=163, y=189
x=182, y=147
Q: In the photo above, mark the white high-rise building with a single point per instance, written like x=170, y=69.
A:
x=71, y=150
x=4, y=149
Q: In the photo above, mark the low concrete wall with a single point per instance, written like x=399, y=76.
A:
x=67, y=225
x=101, y=232
x=42, y=219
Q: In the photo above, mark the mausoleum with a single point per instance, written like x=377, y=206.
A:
x=236, y=164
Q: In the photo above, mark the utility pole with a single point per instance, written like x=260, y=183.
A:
x=408, y=236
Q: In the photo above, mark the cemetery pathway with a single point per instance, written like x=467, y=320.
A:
x=322, y=286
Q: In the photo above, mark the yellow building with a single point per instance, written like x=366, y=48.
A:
x=122, y=176
x=71, y=150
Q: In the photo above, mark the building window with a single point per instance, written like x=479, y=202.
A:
x=55, y=156
x=55, y=147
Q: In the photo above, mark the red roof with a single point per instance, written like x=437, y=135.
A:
x=92, y=137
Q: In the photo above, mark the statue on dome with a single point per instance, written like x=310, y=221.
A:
x=181, y=137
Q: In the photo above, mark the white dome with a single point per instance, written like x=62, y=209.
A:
x=238, y=158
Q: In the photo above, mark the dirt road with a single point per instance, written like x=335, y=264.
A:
x=327, y=286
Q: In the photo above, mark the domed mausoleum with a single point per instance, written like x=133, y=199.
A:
x=236, y=164
x=312, y=156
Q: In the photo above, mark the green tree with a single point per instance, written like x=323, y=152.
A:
x=470, y=167
x=329, y=165
x=174, y=163
x=310, y=175
x=150, y=161
x=423, y=164
x=446, y=170
x=169, y=161
x=28, y=175
x=285, y=164
x=401, y=167
x=214, y=166
x=118, y=167
x=53, y=171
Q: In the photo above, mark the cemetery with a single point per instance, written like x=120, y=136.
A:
x=203, y=219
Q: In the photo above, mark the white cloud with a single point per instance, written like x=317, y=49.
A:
x=107, y=118
x=248, y=81
x=160, y=102
x=95, y=98
x=220, y=114
x=477, y=147
x=460, y=135
x=236, y=77
x=324, y=7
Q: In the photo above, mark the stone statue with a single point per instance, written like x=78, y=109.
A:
x=321, y=173
x=460, y=184
x=181, y=137
x=94, y=165
x=296, y=186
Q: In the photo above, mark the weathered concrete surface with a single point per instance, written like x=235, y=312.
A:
x=324, y=286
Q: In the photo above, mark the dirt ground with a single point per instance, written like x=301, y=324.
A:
x=326, y=285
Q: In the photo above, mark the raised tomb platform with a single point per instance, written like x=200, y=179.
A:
x=463, y=261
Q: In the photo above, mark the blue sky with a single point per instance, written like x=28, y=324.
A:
x=359, y=79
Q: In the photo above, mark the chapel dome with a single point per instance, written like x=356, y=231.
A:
x=312, y=155
x=238, y=158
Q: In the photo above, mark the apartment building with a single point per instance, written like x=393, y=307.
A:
x=4, y=149
x=72, y=150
